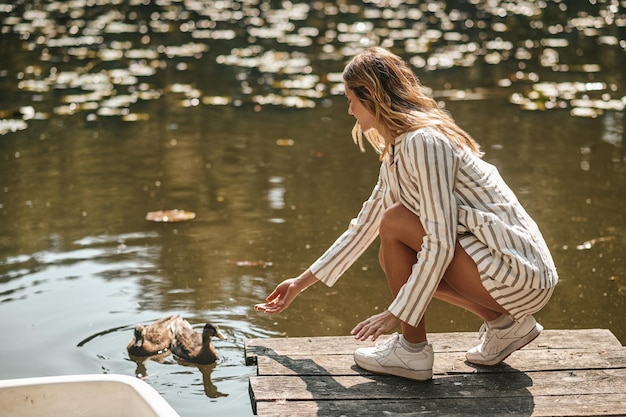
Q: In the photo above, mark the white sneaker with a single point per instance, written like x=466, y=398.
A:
x=392, y=358
x=498, y=344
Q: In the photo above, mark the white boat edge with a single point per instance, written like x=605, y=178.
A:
x=142, y=390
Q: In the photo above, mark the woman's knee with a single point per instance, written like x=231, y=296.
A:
x=397, y=221
x=393, y=218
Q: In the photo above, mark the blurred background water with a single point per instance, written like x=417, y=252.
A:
x=233, y=110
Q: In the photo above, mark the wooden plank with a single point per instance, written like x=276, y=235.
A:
x=561, y=373
x=538, y=406
x=442, y=342
x=476, y=386
x=525, y=360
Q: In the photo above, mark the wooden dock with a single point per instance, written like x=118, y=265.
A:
x=561, y=373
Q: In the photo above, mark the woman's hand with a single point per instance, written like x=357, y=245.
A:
x=280, y=298
x=285, y=293
x=375, y=326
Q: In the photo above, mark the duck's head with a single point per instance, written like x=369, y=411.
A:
x=212, y=330
x=139, y=332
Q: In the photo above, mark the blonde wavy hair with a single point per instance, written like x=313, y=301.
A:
x=388, y=88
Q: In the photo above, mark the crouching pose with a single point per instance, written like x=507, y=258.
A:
x=449, y=228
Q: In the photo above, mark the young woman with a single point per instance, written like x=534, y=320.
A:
x=449, y=228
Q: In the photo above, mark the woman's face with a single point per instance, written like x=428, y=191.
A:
x=359, y=111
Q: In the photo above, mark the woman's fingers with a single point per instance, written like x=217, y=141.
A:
x=375, y=326
x=274, y=302
x=267, y=308
x=363, y=330
x=273, y=306
x=275, y=294
x=356, y=330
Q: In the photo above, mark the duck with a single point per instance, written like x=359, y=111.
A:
x=155, y=338
x=194, y=347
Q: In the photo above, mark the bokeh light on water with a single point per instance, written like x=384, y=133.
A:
x=234, y=110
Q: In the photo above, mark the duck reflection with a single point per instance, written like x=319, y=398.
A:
x=141, y=371
x=210, y=390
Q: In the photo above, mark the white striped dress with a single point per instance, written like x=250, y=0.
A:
x=456, y=195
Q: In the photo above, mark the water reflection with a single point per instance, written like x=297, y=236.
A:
x=140, y=361
x=234, y=110
x=165, y=358
x=210, y=389
x=105, y=60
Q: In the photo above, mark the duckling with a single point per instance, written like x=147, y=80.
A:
x=191, y=346
x=154, y=338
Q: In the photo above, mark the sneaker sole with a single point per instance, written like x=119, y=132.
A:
x=395, y=371
x=517, y=345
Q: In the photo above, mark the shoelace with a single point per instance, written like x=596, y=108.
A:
x=483, y=332
x=379, y=346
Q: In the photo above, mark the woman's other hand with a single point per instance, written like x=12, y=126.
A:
x=375, y=326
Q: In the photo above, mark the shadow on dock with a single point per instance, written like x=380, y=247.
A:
x=572, y=372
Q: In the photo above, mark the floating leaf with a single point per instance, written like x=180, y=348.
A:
x=170, y=216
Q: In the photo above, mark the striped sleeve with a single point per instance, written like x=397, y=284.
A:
x=429, y=164
x=352, y=243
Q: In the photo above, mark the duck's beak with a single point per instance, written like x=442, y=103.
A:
x=220, y=334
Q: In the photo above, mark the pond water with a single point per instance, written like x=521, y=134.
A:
x=234, y=110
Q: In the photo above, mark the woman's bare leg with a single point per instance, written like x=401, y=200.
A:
x=401, y=234
x=396, y=259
